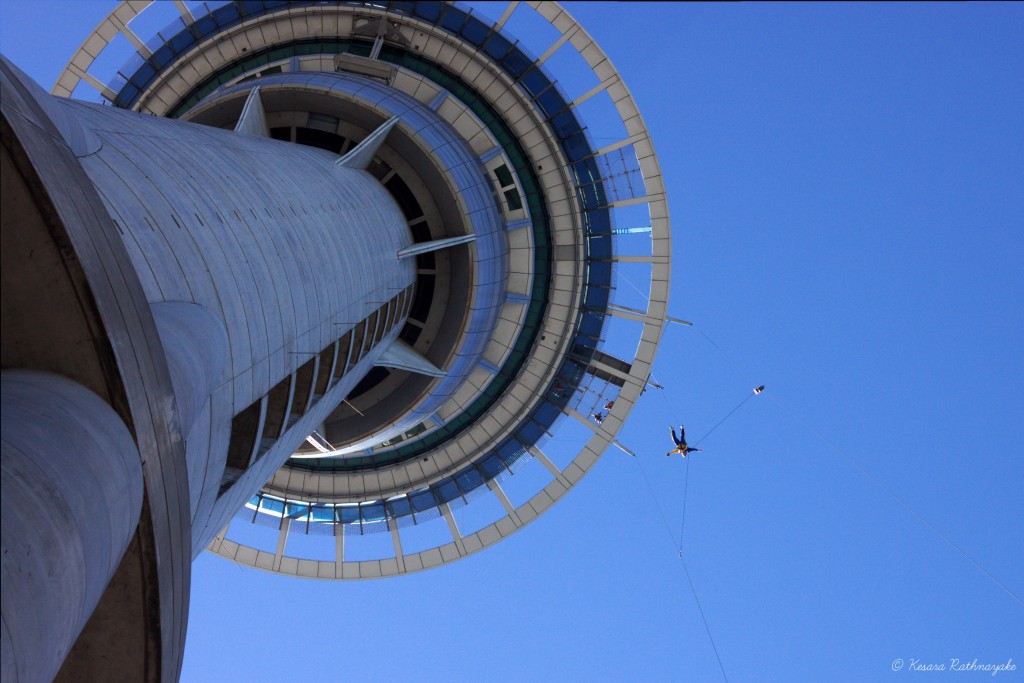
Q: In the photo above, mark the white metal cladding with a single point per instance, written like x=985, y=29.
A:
x=463, y=172
x=284, y=247
x=447, y=51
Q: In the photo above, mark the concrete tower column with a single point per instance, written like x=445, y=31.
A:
x=72, y=491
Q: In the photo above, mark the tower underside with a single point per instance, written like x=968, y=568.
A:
x=349, y=336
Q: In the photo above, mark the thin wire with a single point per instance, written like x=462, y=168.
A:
x=892, y=494
x=703, y=618
x=686, y=570
x=686, y=489
x=701, y=440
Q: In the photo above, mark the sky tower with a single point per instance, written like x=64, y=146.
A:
x=206, y=326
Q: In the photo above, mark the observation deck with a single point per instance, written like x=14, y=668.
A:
x=515, y=134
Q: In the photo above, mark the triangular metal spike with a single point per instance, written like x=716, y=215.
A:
x=401, y=356
x=360, y=156
x=434, y=245
x=253, y=120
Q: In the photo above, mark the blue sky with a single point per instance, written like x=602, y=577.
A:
x=846, y=184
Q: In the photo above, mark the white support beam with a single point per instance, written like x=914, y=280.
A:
x=132, y=37
x=186, y=13
x=629, y=313
x=434, y=245
x=282, y=539
x=510, y=510
x=583, y=419
x=629, y=202
x=362, y=154
x=615, y=372
x=600, y=87
x=550, y=466
x=253, y=120
x=339, y=544
x=554, y=48
x=396, y=540
x=633, y=139
x=639, y=259
x=453, y=528
x=94, y=82
x=438, y=100
x=623, y=448
x=378, y=43
x=400, y=355
x=506, y=15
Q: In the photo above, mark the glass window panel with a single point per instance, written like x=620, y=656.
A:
x=422, y=500
x=447, y=490
x=344, y=344
x=277, y=411
x=244, y=428
x=323, y=373
x=303, y=387
x=347, y=514
x=372, y=512
x=492, y=466
x=504, y=176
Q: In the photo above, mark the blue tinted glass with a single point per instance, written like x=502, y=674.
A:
x=372, y=512
x=598, y=221
x=447, y=490
x=516, y=63
x=453, y=19
x=475, y=30
x=601, y=272
x=600, y=246
x=491, y=465
x=585, y=173
x=597, y=297
x=347, y=514
x=576, y=147
x=422, y=500
x=546, y=414
x=427, y=10
x=226, y=16
x=127, y=95
x=530, y=432
x=565, y=123
x=143, y=76
x=571, y=371
x=250, y=7
x=204, y=26
x=273, y=505
x=296, y=510
x=182, y=42
x=469, y=480
x=535, y=82
x=162, y=57
x=399, y=507
x=323, y=513
x=497, y=46
x=588, y=195
x=550, y=102
x=591, y=324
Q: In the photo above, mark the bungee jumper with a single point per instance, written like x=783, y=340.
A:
x=681, y=446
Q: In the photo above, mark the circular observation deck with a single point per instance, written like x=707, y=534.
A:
x=517, y=131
